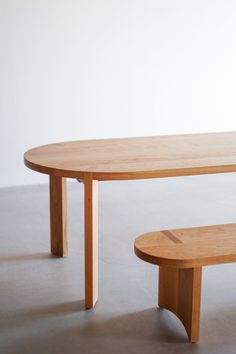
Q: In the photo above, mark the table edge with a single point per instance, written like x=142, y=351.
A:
x=103, y=176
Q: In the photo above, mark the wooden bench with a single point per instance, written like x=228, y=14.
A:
x=181, y=254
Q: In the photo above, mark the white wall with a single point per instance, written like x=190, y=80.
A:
x=76, y=69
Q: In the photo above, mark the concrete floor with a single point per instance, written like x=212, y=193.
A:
x=41, y=297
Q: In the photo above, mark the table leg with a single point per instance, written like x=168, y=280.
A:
x=91, y=240
x=58, y=216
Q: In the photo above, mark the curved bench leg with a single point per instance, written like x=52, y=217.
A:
x=180, y=292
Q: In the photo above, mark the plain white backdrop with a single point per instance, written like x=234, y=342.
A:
x=81, y=69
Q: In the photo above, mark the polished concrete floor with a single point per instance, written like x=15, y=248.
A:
x=41, y=297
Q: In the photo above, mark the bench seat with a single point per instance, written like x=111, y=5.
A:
x=189, y=247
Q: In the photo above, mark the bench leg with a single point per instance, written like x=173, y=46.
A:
x=180, y=292
x=58, y=216
x=91, y=240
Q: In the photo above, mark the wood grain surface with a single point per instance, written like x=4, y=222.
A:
x=189, y=247
x=136, y=158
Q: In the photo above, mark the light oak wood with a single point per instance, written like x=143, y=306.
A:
x=180, y=293
x=136, y=158
x=58, y=216
x=189, y=247
x=181, y=254
x=91, y=240
x=123, y=159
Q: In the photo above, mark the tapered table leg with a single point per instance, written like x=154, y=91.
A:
x=58, y=215
x=91, y=240
x=180, y=292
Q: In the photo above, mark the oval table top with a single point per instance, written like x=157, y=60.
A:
x=137, y=158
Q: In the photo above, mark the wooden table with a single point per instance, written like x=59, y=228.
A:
x=120, y=159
